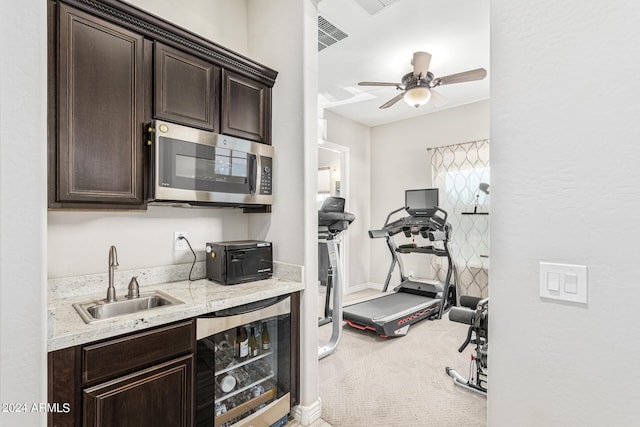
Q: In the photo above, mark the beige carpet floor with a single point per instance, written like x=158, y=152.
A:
x=372, y=381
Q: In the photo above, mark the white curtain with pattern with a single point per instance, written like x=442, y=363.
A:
x=457, y=171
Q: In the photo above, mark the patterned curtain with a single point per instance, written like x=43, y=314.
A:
x=457, y=172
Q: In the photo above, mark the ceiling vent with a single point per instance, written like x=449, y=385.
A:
x=328, y=34
x=374, y=6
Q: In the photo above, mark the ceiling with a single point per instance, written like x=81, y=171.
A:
x=379, y=47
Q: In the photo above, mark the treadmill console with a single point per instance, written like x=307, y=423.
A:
x=421, y=203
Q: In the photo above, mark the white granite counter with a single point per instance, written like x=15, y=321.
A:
x=67, y=329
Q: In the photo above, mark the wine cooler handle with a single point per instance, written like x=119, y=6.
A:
x=246, y=308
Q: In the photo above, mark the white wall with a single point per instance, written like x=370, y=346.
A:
x=221, y=21
x=283, y=35
x=565, y=188
x=400, y=161
x=274, y=28
x=23, y=154
x=357, y=138
x=78, y=242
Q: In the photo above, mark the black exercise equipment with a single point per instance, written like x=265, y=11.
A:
x=391, y=314
x=332, y=220
x=475, y=313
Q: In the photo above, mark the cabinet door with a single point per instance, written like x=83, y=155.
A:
x=186, y=89
x=246, y=108
x=100, y=112
x=158, y=396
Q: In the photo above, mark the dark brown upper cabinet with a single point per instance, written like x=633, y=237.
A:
x=186, y=89
x=246, y=108
x=98, y=155
x=112, y=68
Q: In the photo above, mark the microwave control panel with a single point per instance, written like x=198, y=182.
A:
x=267, y=171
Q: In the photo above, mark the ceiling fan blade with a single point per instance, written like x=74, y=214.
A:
x=392, y=101
x=437, y=99
x=420, y=62
x=378, y=84
x=466, y=76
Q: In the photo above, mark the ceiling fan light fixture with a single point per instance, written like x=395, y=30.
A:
x=417, y=96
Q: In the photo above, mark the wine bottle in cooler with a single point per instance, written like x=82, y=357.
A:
x=242, y=343
x=253, y=343
x=266, y=341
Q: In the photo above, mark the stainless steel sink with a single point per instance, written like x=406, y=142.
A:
x=94, y=311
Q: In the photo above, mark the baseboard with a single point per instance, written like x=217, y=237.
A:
x=306, y=415
x=363, y=286
x=378, y=286
x=370, y=285
x=357, y=288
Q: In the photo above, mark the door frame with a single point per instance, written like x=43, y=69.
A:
x=343, y=151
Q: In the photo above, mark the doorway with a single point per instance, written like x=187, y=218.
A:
x=333, y=181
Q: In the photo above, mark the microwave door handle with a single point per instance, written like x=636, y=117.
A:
x=253, y=173
x=149, y=135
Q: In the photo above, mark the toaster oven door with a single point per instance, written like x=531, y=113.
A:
x=248, y=264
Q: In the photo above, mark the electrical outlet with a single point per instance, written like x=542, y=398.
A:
x=178, y=243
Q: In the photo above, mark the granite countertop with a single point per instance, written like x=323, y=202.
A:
x=67, y=329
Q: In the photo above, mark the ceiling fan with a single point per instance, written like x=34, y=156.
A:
x=417, y=86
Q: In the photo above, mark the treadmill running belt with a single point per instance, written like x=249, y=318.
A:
x=394, y=304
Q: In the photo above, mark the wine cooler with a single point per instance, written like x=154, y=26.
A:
x=243, y=371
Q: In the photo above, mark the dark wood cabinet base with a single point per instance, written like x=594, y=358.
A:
x=140, y=379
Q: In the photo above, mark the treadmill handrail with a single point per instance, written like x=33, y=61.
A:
x=394, y=212
x=439, y=222
x=377, y=234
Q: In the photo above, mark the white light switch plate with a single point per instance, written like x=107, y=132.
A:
x=565, y=282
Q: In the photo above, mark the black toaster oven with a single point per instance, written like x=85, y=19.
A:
x=239, y=261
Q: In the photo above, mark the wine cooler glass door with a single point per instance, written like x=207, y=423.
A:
x=243, y=371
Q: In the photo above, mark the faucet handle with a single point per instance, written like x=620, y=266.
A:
x=134, y=288
x=113, y=256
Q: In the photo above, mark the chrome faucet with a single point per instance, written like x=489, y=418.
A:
x=113, y=263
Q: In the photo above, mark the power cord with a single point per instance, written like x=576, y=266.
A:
x=194, y=257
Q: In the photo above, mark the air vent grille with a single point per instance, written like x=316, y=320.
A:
x=328, y=34
x=374, y=6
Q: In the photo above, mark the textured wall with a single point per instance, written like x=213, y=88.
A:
x=221, y=21
x=78, y=242
x=23, y=179
x=283, y=34
x=565, y=188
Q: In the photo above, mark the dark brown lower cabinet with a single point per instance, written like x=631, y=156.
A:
x=158, y=396
x=137, y=380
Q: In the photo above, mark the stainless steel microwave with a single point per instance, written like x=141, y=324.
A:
x=199, y=167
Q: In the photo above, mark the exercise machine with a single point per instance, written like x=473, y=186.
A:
x=475, y=313
x=332, y=220
x=392, y=313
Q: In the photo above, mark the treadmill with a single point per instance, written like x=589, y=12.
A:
x=391, y=314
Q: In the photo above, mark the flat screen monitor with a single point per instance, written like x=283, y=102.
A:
x=421, y=202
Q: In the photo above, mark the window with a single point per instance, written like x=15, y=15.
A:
x=457, y=171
